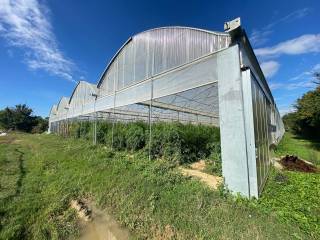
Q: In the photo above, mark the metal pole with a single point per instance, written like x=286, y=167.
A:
x=150, y=120
x=113, y=121
x=80, y=128
x=150, y=106
x=92, y=125
x=114, y=106
x=95, y=129
x=95, y=119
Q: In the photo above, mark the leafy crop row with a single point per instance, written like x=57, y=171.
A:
x=176, y=142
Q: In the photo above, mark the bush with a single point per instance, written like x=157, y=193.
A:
x=183, y=143
x=198, y=141
x=103, y=128
x=86, y=130
x=74, y=130
x=119, y=136
x=175, y=142
x=135, y=136
x=41, y=125
x=214, y=160
x=166, y=141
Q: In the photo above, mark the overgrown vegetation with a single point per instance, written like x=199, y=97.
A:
x=176, y=142
x=294, y=198
x=20, y=118
x=40, y=174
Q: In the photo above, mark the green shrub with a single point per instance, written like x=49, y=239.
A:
x=74, y=130
x=135, y=136
x=119, y=136
x=183, y=143
x=175, y=142
x=214, y=163
x=103, y=128
x=197, y=141
x=166, y=141
x=86, y=130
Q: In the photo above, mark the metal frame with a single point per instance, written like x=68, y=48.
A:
x=187, y=75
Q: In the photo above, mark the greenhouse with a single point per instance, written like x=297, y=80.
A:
x=191, y=77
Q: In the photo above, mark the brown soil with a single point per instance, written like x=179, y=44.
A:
x=83, y=211
x=200, y=165
x=210, y=180
x=290, y=162
x=96, y=223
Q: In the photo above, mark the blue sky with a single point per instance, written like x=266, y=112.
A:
x=47, y=46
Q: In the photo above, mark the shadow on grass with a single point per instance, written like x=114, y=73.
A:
x=22, y=173
x=314, y=141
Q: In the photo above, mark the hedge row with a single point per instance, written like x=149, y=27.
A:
x=177, y=142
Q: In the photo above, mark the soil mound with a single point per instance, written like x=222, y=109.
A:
x=291, y=162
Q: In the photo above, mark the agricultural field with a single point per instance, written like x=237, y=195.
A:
x=41, y=174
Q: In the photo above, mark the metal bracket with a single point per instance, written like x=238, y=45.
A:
x=232, y=25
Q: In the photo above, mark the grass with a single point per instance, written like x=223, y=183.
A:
x=294, y=198
x=304, y=148
x=40, y=174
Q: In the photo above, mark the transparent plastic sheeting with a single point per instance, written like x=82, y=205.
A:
x=158, y=50
x=83, y=93
x=62, y=108
x=261, y=123
x=190, y=76
x=268, y=130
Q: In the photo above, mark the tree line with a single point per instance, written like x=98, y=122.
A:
x=305, y=119
x=21, y=118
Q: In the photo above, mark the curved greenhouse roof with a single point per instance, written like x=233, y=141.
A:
x=62, y=106
x=53, y=111
x=82, y=93
x=157, y=50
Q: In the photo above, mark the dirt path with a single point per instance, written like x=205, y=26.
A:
x=102, y=226
x=196, y=171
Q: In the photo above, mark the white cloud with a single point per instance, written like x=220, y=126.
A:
x=284, y=111
x=307, y=74
x=259, y=37
x=25, y=24
x=309, y=43
x=270, y=68
x=275, y=85
x=316, y=68
x=292, y=86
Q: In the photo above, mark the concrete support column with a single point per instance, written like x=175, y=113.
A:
x=236, y=125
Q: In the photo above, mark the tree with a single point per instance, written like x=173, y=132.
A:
x=317, y=78
x=20, y=118
x=290, y=122
x=306, y=119
x=42, y=125
x=308, y=111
